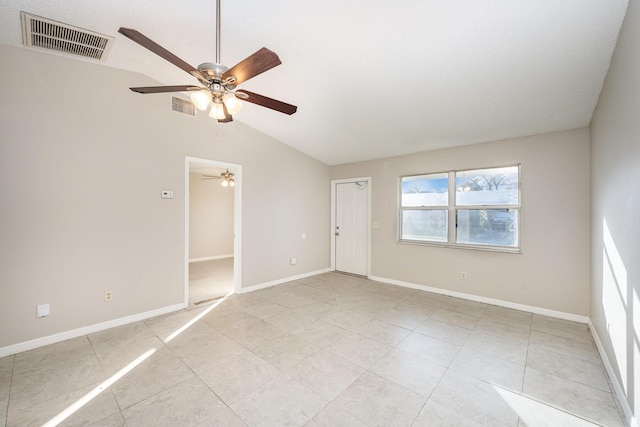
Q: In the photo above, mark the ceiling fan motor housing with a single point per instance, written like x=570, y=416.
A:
x=216, y=83
x=213, y=70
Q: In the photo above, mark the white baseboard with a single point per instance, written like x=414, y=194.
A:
x=492, y=301
x=613, y=379
x=615, y=384
x=74, y=333
x=209, y=258
x=284, y=280
x=63, y=336
x=66, y=335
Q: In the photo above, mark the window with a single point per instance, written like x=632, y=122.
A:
x=425, y=201
x=483, y=205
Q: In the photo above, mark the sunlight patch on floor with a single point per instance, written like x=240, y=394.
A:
x=535, y=413
x=71, y=409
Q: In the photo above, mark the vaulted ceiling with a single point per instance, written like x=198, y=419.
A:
x=373, y=78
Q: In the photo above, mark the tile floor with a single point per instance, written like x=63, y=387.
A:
x=209, y=280
x=330, y=350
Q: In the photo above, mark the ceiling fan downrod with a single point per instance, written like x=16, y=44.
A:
x=218, y=32
x=221, y=94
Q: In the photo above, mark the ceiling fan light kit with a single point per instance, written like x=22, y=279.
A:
x=219, y=81
x=231, y=102
x=201, y=99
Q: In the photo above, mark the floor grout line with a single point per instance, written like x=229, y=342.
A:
x=358, y=302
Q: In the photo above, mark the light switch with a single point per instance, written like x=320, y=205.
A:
x=167, y=194
x=42, y=310
x=375, y=225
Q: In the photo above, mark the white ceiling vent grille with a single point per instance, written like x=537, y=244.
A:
x=183, y=106
x=43, y=33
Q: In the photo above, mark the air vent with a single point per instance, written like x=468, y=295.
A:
x=43, y=33
x=183, y=106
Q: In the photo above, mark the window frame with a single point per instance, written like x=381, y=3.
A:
x=452, y=209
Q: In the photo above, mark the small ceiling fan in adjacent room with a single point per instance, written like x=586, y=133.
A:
x=228, y=178
x=219, y=82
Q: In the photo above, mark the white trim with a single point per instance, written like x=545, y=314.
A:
x=613, y=379
x=74, y=333
x=237, y=230
x=187, y=195
x=284, y=280
x=332, y=228
x=334, y=183
x=492, y=301
x=237, y=221
x=211, y=258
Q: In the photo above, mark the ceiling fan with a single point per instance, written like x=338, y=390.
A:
x=219, y=82
x=228, y=178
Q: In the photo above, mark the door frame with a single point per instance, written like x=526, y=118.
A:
x=334, y=193
x=237, y=220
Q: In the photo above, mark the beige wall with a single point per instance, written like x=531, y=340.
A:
x=210, y=218
x=82, y=164
x=552, y=272
x=615, y=175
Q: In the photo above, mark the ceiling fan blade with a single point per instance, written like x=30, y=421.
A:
x=154, y=47
x=161, y=89
x=227, y=116
x=264, y=101
x=258, y=63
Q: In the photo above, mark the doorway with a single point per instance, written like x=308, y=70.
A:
x=212, y=231
x=350, y=225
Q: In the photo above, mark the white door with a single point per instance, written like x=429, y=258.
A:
x=352, y=227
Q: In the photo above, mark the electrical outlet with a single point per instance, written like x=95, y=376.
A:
x=293, y=261
x=463, y=275
x=108, y=295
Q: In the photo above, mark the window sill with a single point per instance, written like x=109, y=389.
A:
x=483, y=248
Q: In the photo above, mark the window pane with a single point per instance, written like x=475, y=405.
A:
x=425, y=190
x=498, y=227
x=496, y=186
x=425, y=225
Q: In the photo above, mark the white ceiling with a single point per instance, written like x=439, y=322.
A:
x=373, y=78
